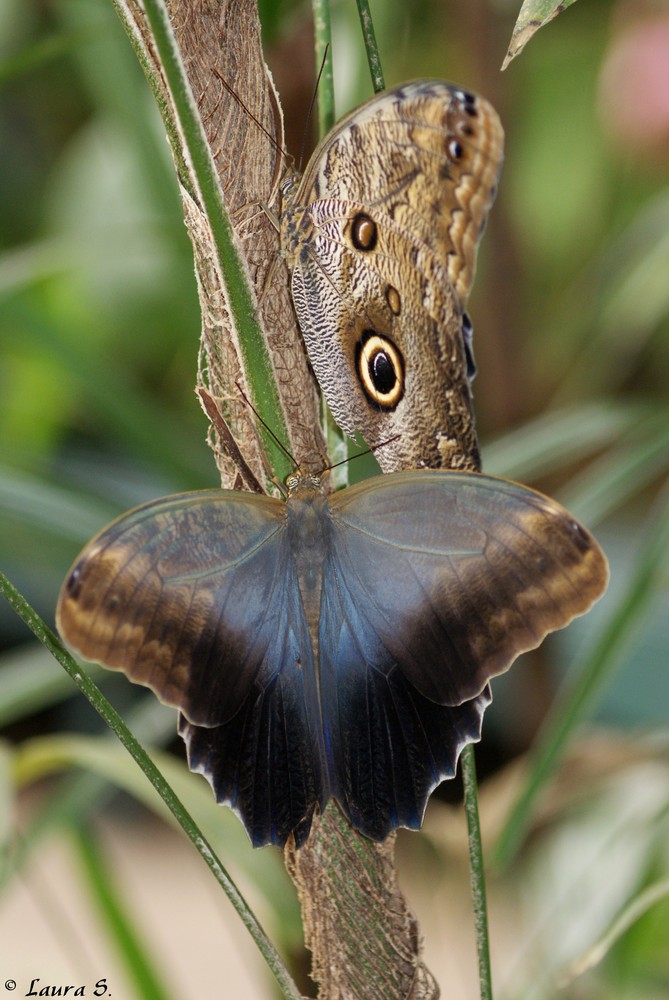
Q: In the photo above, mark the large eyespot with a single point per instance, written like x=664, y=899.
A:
x=381, y=370
x=363, y=232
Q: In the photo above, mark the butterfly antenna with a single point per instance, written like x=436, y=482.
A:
x=253, y=118
x=361, y=454
x=311, y=105
x=227, y=441
x=265, y=425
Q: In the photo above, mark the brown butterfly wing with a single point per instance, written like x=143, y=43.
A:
x=431, y=584
x=426, y=155
x=158, y=594
x=196, y=597
x=381, y=239
x=460, y=574
x=436, y=582
x=393, y=319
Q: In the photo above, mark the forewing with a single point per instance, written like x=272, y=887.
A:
x=453, y=575
x=185, y=595
x=427, y=155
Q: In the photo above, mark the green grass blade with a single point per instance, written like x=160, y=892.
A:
x=148, y=428
x=371, y=47
x=61, y=512
x=75, y=797
x=30, y=684
x=32, y=58
x=190, y=828
x=238, y=293
x=633, y=911
x=622, y=472
x=122, y=930
x=323, y=55
x=605, y=653
x=476, y=871
x=559, y=438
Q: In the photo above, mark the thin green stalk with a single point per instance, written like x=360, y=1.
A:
x=476, y=870
x=372, y=49
x=650, y=896
x=180, y=813
x=605, y=654
x=323, y=43
x=239, y=295
x=126, y=936
x=76, y=795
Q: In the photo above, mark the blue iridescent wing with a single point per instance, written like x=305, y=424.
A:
x=389, y=744
x=195, y=596
x=433, y=584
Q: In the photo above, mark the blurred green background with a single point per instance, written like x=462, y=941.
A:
x=99, y=332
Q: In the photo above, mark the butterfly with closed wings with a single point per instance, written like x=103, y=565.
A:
x=381, y=235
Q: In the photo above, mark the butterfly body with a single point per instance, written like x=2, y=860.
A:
x=329, y=646
x=380, y=235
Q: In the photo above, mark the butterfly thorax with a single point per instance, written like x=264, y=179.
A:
x=293, y=241
x=308, y=531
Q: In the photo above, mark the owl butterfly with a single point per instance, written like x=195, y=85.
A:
x=381, y=235
x=330, y=647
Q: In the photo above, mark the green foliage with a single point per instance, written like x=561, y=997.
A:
x=99, y=330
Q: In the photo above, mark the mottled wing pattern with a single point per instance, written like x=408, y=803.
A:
x=381, y=239
x=425, y=156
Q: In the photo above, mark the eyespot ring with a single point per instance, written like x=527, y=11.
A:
x=364, y=232
x=393, y=300
x=380, y=368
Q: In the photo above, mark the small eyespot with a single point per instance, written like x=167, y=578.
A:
x=73, y=585
x=381, y=370
x=468, y=340
x=393, y=299
x=454, y=149
x=581, y=537
x=292, y=481
x=363, y=232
